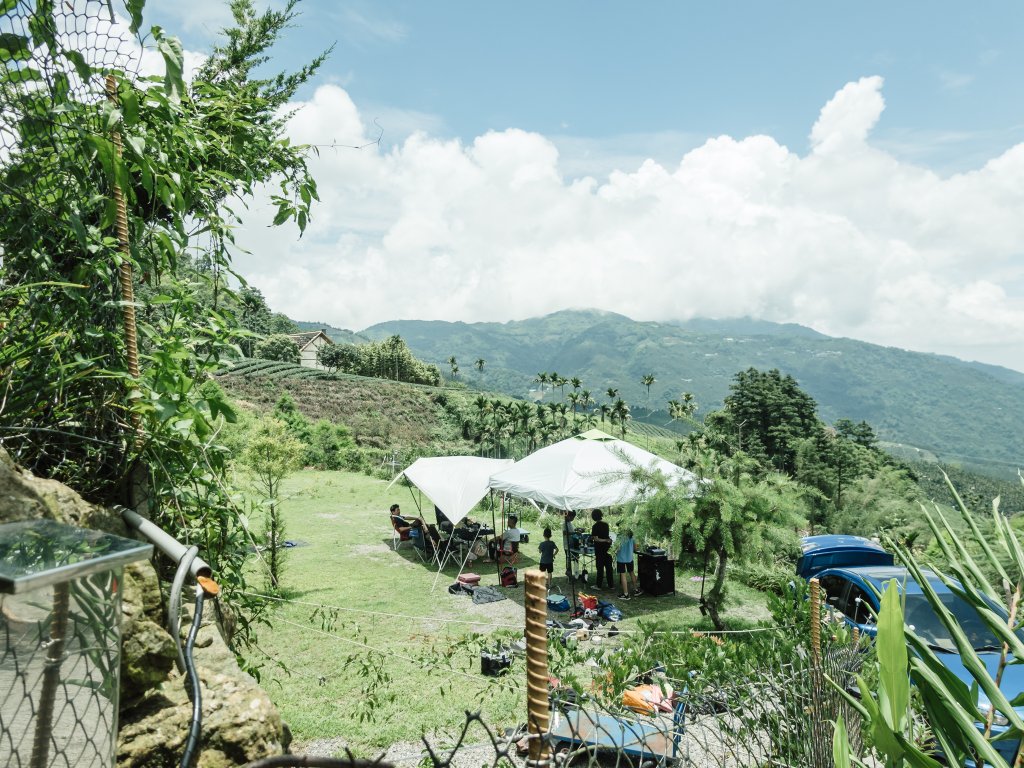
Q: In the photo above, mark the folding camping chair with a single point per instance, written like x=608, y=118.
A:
x=445, y=547
x=398, y=535
x=422, y=545
x=507, y=553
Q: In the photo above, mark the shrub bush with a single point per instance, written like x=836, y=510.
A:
x=278, y=347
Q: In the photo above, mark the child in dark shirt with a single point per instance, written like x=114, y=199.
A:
x=548, y=550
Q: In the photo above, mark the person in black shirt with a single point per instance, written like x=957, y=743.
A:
x=601, y=538
x=548, y=550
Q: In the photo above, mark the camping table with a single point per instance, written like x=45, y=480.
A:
x=584, y=556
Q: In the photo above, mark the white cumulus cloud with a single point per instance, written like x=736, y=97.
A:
x=846, y=238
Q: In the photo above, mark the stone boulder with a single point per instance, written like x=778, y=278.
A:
x=240, y=723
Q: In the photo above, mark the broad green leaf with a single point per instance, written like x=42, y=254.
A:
x=891, y=647
x=841, y=745
x=112, y=116
x=137, y=144
x=80, y=64
x=130, y=106
x=19, y=75
x=134, y=8
x=14, y=47
x=968, y=656
x=174, y=65
x=964, y=721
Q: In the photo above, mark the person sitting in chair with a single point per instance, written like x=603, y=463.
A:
x=508, y=542
x=402, y=524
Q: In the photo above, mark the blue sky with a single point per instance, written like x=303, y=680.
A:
x=600, y=70
x=855, y=168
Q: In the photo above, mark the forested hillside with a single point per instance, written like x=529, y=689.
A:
x=959, y=411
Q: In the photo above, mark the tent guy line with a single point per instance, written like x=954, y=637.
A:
x=382, y=651
x=485, y=623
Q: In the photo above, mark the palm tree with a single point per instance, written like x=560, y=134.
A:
x=680, y=410
x=605, y=410
x=620, y=413
x=554, y=378
x=612, y=393
x=586, y=400
x=542, y=379
x=647, y=380
x=454, y=364
x=574, y=402
x=480, y=362
x=576, y=383
x=562, y=381
x=523, y=414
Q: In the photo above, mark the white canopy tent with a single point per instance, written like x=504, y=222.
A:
x=454, y=483
x=589, y=470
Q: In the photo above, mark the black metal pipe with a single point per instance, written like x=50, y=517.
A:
x=196, y=725
x=174, y=603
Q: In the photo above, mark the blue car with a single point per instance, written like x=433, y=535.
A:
x=836, y=551
x=853, y=592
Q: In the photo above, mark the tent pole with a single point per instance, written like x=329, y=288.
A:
x=494, y=524
x=567, y=541
x=447, y=553
x=466, y=558
x=415, y=501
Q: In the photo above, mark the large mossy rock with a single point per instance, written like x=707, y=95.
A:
x=240, y=724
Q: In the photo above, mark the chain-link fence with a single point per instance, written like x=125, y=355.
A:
x=61, y=65
x=780, y=716
x=59, y=675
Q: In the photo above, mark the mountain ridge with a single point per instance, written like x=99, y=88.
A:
x=951, y=407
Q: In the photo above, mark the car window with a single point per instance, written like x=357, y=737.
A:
x=835, y=591
x=858, y=606
x=929, y=626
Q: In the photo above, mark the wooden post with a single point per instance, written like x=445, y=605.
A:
x=537, y=713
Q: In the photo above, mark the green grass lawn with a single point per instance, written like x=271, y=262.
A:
x=317, y=663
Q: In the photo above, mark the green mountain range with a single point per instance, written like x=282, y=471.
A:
x=962, y=412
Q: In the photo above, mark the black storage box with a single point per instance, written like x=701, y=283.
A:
x=494, y=663
x=656, y=575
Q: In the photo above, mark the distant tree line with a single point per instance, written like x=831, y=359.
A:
x=387, y=359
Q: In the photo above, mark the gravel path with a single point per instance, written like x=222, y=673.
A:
x=406, y=754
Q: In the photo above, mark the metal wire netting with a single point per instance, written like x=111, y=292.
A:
x=59, y=675
x=55, y=59
x=781, y=715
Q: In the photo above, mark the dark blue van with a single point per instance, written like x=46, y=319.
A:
x=838, y=551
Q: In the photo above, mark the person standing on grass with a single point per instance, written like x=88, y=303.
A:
x=624, y=559
x=548, y=550
x=601, y=538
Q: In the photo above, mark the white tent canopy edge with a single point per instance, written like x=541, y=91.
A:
x=454, y=484
x=588, y=470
